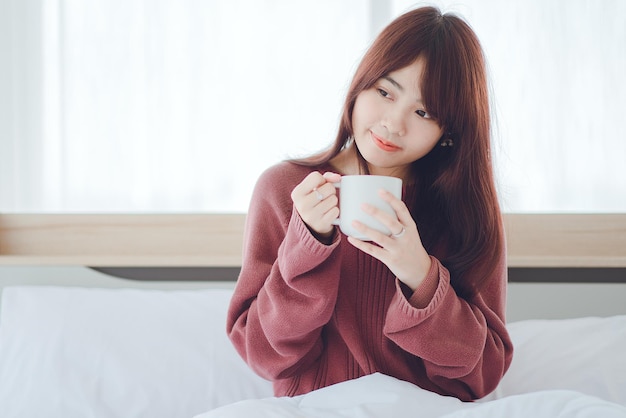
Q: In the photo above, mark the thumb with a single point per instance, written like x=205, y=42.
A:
x=332, y=177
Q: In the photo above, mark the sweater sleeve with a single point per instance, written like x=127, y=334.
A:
x=287, y=288
x=464, y=344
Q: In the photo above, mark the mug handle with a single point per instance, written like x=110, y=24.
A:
x=337, y=221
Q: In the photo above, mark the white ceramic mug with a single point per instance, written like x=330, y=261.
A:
x=356, y=190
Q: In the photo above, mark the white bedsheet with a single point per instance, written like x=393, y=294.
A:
x=380, y=396
x=128, y=353
x=118, y=353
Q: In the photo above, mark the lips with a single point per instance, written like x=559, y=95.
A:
x=384, y=145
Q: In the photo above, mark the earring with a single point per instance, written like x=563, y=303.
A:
x=447, y=142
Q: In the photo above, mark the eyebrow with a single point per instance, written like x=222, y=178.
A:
x=398, y=86
x=394, y=82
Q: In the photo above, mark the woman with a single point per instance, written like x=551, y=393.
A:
x=426, y=305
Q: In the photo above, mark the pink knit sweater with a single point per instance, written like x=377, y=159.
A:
x=307, y=315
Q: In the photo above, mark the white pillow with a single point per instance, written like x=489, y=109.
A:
x=79, y=352
x=587, y=355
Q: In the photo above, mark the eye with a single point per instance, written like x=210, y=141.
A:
x=423, y=114
x=382, y=92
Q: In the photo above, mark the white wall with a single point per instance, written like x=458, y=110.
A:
x=85, y=277
x=565, y=300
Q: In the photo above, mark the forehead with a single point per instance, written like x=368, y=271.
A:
x=407, y=79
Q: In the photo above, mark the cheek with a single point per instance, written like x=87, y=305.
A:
x=362, y=113
x=435, y=137
x=426, y=136
x=429, y=131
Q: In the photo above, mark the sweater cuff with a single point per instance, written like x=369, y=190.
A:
x=306, y=237
x=426, y=290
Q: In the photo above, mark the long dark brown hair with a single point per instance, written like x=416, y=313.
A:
x=456, y=206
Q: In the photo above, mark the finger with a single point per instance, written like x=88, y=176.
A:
x=385, y=217
x=325, y=210
x=330, y=215
x=402, y=212
x=332, y=177
x=319, y=215
x=375, y=235
x=316, y=195
x=326, y=204
x=326, y=190
x=390, y=221
x=311, y=181
x=366, y=247
x=314, y=179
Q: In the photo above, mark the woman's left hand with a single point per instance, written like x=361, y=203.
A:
x=402, y=251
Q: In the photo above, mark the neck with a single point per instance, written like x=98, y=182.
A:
x=400, y=172
x=347, y=162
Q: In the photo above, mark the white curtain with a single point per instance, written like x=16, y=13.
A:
x=559, y=91
x=163, y=105
x=171, y=105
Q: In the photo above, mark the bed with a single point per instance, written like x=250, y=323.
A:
x=80, y=339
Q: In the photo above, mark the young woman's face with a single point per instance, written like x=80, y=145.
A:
x=392, y=128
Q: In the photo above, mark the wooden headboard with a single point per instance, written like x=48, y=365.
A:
x=215, y=240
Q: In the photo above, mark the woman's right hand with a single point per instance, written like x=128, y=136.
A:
x=315, y=199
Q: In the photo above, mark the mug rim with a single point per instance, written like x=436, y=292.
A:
x=371, y=175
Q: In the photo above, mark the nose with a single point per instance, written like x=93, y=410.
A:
x=394, y=122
